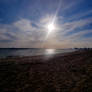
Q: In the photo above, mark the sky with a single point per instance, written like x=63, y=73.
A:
x=24, y=23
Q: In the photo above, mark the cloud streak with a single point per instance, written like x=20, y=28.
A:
x=30, y=30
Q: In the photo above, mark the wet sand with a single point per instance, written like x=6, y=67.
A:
x=71, y=72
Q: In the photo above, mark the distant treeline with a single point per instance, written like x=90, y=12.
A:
x=83, y=48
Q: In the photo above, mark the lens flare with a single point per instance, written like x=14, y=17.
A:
x=51, y=27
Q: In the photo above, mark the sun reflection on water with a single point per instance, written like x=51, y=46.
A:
x=50, y=51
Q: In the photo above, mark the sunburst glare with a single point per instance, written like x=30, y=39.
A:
x=50, y=27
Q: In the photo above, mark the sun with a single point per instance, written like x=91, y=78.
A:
x=50, y=27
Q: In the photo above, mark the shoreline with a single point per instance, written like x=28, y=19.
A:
x=39, y=54
x=25, y=59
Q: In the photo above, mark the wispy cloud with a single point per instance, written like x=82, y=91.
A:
x=30, y=30
x=28, y=35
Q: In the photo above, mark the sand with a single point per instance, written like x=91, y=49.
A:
x=71, y=72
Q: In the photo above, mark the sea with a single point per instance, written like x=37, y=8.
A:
x=20, y=52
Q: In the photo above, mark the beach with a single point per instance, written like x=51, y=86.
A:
x=70, y=72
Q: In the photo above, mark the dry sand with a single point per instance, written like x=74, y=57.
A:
x=71, y=72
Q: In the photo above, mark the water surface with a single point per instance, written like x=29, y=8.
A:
x=5, y=52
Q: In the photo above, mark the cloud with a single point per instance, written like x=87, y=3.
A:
x=5, y=29
x=24, y=25
x=71, y=26
x=23, y=33
x=77, y=36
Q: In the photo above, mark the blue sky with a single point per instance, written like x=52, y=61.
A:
x=23, y=23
